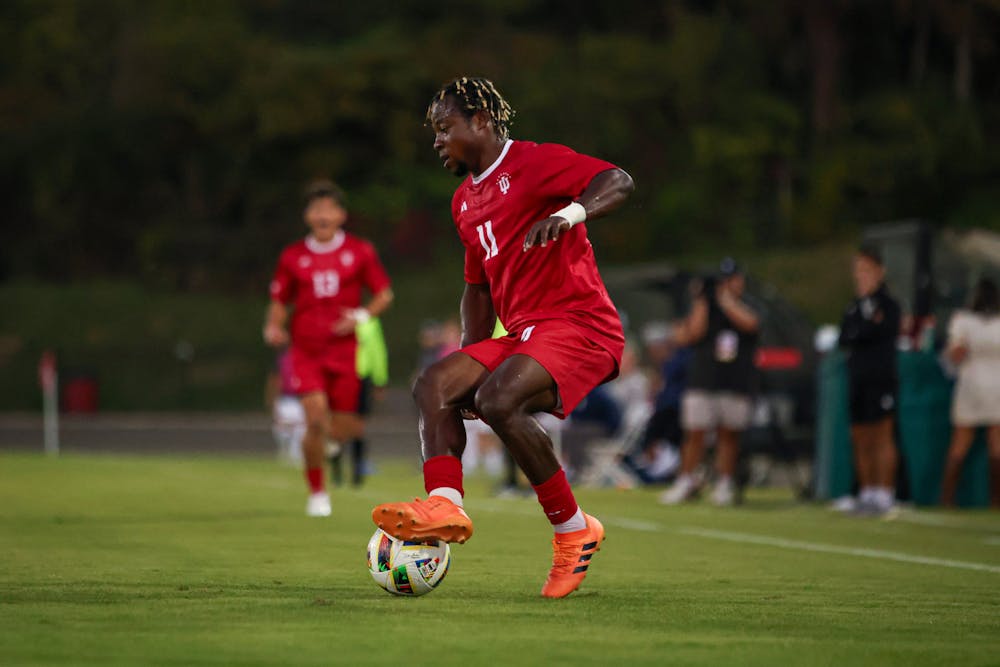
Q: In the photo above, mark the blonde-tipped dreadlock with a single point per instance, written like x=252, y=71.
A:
x=473, y=93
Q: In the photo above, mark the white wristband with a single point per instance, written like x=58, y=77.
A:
x=361, y=315
x=574, y=214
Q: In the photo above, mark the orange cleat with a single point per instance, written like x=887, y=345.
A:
x=435, y=518
x=571, y=554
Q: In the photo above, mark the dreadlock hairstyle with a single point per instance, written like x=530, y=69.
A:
x=474, y=93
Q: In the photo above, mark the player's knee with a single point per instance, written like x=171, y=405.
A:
x=315, y=426
x=494, y=407
x=428, y=385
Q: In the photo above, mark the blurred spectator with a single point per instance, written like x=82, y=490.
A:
x=974, y=347
x=429, y=341
x=451, y=338
x=868, y=333
x=597, y=417
x=722, y=332
x=630, y=390
x=600, y=408
x=657, y=454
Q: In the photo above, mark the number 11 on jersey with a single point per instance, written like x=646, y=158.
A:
x=487, y=239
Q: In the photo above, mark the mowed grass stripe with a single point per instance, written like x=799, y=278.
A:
x=113, y=560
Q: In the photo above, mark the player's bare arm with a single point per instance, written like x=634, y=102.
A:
x=478, y=316
x=354, y=316
x=275, y=333
x=606, y=192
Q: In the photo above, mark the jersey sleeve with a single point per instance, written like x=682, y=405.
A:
x=373, y=274
x=562, y=172
x=474, y=272
x=283, y=283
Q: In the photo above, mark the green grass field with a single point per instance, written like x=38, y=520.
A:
x=163, y=561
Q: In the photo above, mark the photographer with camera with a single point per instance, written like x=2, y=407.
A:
x=722, y=332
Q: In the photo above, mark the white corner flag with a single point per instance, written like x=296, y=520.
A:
x=48, y=379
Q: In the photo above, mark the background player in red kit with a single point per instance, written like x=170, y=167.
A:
x=528, y=262
x=322, y=278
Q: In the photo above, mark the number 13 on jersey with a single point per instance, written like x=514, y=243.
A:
x=326, y=283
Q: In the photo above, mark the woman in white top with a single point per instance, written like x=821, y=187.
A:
x=974, y=347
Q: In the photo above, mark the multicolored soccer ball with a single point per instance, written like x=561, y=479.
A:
x=407, y=568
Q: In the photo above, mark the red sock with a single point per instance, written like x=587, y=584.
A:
x=556, y=498
x=441, y=471
x=315, y=478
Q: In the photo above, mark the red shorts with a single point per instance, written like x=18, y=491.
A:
x=564, y=349
x=328, y=373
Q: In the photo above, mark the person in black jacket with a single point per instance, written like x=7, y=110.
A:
x=868, y=334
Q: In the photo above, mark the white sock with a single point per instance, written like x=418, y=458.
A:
x=886, y=496
x=447, y=492
x=576, y=522
x=868, y=494
x=725, y=482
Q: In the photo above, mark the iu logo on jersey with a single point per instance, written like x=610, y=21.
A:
x=503, y=180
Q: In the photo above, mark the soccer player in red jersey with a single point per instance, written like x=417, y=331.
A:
x=519, y=213
x=321, y=279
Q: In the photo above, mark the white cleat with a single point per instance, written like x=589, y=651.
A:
x=724, y=494
x=680, y=491
x=318, y=504
x=844, y=504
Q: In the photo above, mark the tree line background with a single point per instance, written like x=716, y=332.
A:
x=153, y=153
x=168, y=141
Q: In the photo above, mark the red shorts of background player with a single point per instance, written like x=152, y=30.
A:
x=563, y=348
x=330, y=373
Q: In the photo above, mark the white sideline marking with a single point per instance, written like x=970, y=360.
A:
x=834, y=549
x=507, y=507
x=938, y=520
x=633, y=524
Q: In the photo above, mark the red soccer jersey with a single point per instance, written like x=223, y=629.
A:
x=493, y=213
x=321, y=281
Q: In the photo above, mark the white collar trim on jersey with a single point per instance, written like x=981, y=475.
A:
x=476, y=180
x=321, y=248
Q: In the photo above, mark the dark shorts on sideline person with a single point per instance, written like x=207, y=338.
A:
x=872, y=400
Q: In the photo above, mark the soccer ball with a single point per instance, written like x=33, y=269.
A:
x=407, y=568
